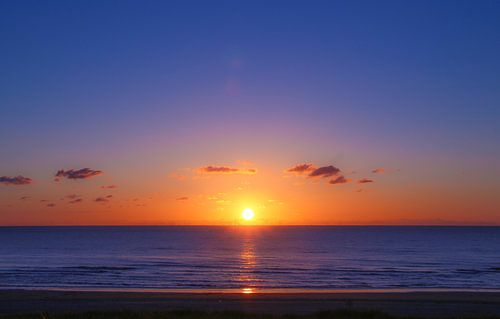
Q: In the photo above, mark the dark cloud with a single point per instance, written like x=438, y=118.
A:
x=109, y=187
x=339, y=180
x=379, y=170
x=24, y=198
x=182, y=198
x=301, y=168
x=225, y=170
x=102, y=200
x=365, y=180
x=325, y=171
x=109, y=196
x=51, y=205
x=17, y=180
x=83, y=173
x=76, y=201
x=72, y=196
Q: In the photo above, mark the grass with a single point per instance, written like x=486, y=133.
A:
x=338, y=314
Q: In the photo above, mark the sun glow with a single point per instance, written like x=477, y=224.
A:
x=247, y=214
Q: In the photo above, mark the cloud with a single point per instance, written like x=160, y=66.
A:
x=325, y=171
x=76, y=201
x=245, y=163
x=339, y=180
x=322, y=172
x=182, y=198
x=225, y=170
x=72, y=196
x=51, y=205
x=109, y=187
x=101, y=200
x=178, y=176
x=365, y=180
x=24, y=198
x=109, y=196
x=83, y=173
x=17, y=180
x=379, y=170
x=301, y=168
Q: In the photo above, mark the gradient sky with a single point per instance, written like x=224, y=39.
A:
x=193, y=110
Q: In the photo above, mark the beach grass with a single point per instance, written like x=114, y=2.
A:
x=187, y=314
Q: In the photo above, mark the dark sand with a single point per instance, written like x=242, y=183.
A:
x=397, y=303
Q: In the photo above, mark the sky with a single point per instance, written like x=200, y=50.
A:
x=307, y=112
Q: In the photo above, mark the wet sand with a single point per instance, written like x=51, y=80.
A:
x=398, y=303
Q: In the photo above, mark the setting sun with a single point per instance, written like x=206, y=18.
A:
x=247, y=214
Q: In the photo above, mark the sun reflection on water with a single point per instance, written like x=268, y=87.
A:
x=247, y=290
x=248, y=263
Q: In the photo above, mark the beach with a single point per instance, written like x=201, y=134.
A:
x=418, y=303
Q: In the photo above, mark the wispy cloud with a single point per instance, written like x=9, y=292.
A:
x=74, y=198
x=16, y=180
x=101, y=200
x=109, y=187
x=83, y=173
x=339, y=180
x=225, y=170
x=182, y=198
x=325, y=171
x=51, y=205
x=301, y=168
x=24, y=197
x=379, y=170
x=365, y=180
x=178, y=176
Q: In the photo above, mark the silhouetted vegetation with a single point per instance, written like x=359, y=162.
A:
x=186, y=314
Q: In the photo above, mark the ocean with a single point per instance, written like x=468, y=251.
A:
x=250, y=258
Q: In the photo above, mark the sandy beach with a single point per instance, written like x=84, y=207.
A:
x=436, y=304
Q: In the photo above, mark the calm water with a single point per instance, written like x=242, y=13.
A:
x=239, y=257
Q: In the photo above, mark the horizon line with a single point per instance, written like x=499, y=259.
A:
x=263, y=225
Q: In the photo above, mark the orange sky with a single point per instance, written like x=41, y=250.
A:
x=296, y=194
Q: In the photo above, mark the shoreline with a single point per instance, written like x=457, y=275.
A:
x=421, y=303
x=253, y=290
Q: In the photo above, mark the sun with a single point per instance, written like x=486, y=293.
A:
x=247, y=214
